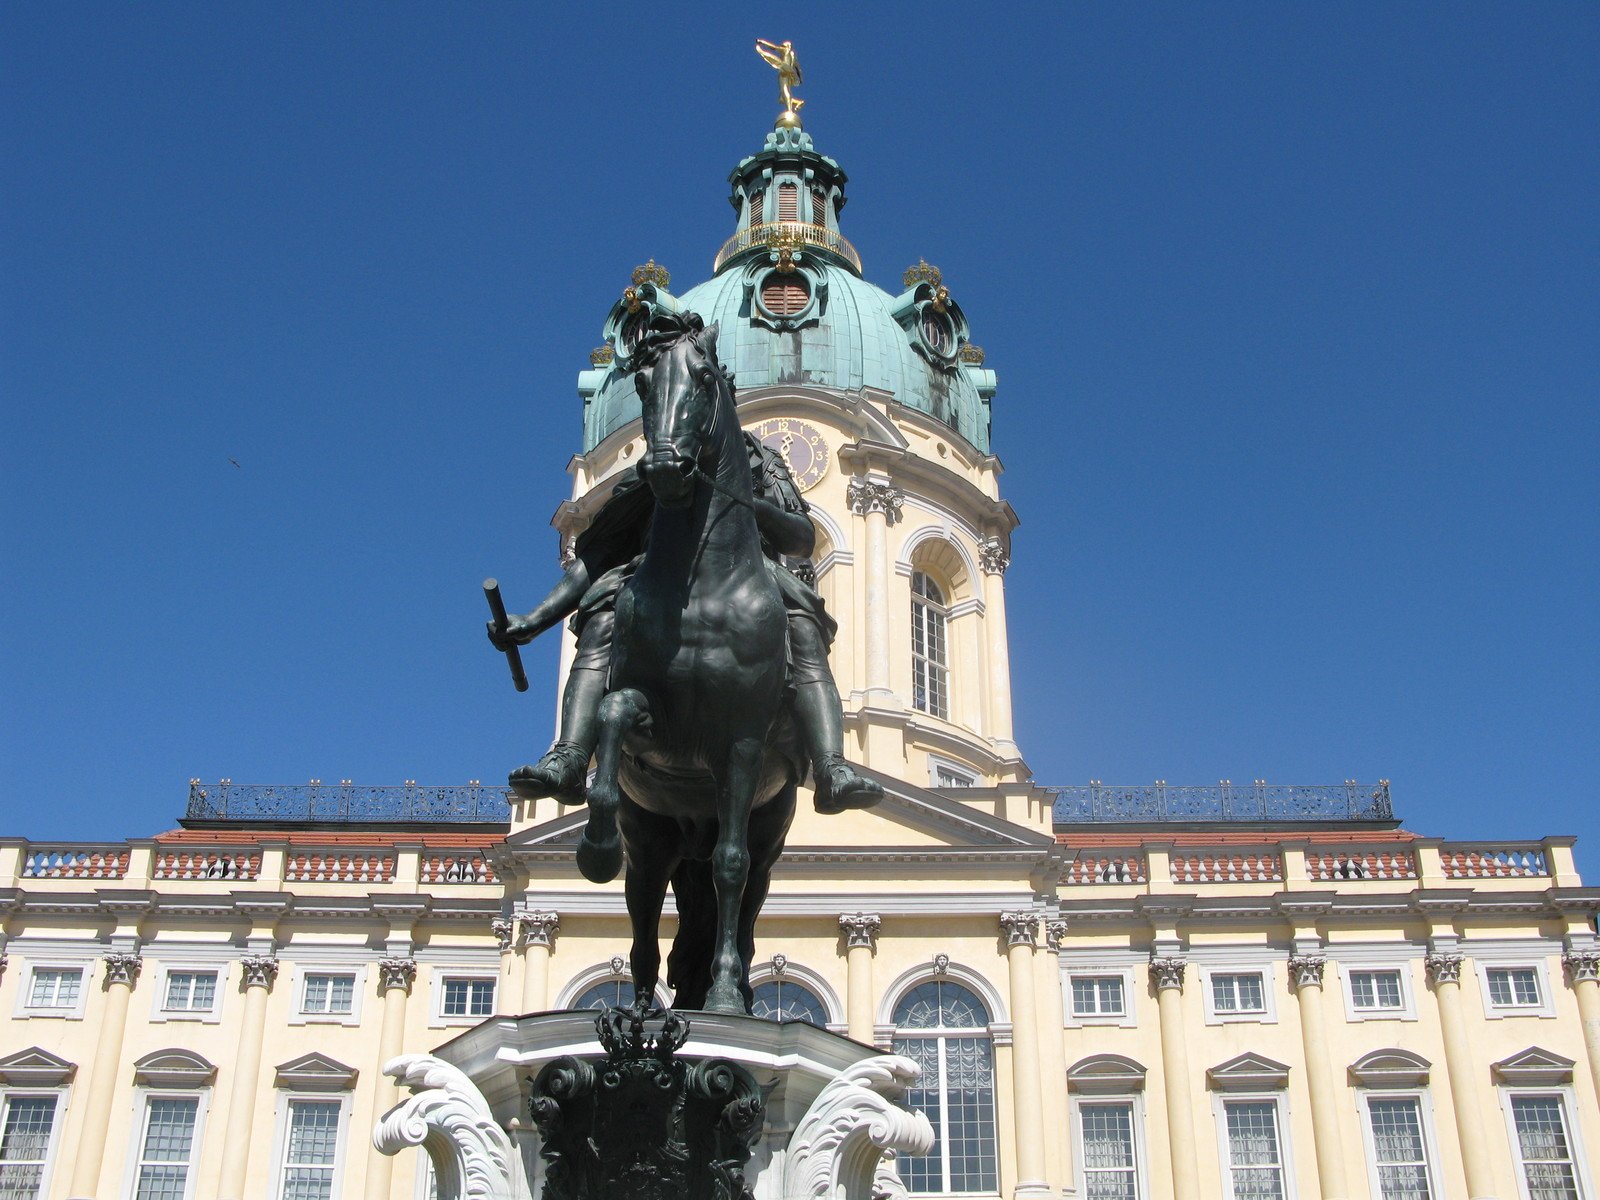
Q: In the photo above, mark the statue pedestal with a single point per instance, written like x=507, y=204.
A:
x=830, y=1116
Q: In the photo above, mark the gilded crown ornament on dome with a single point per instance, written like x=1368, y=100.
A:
x=652, y=272
x=923, y=272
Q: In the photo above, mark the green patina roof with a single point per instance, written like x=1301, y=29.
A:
x=845, y=333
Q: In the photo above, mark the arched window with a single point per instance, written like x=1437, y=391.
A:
x=616, y=992
x=930, y=653
x=786, y=1000
x=944, y=1028
x=788, y=202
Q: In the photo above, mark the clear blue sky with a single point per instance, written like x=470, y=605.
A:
x=1294, y=309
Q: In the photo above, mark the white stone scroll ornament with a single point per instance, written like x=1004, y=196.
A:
x=844, y=1147
x=473, y=1157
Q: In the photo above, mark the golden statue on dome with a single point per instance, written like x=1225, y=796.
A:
x=780, y=56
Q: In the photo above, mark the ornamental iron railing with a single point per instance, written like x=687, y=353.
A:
x=348, y=804
x=1163, y=803
x=795, y=235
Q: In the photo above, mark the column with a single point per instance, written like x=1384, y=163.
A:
x=1167, y=975
x=1583, y=971
x=861, y=938
x=505, y=936
x=879, y=503
x=395, y=977
x=538, y=941
x=1306, y=973
x=1021, y=929
x=1444, y=972
x=258, y=974
x=1053, y=1056
x=121, y=973
x=993, y=558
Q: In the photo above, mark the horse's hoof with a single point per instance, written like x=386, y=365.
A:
x=600, y=861
x=725, y=998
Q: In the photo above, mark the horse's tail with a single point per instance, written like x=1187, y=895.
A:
x=689, y=962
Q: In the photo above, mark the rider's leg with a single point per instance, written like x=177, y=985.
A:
x=817, y=711
x=599, y=852
x=560, y=772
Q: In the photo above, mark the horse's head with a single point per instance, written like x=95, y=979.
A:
x=680, y=384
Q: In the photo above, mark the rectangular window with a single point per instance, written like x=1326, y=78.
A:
x=310, y=1150
x=1255, y=1154
x=788, y=202
x=329, y=994
x=949, y=777
x=1544, y=1148
x=1514, y=987
x=1110, y=1170
x=166, y=1150
x=819, y=207
x=26, y=1124
x=55, y=987
x=755, y=208
x=1097, y=996
x=1399, y=1151
x=468, y=998
x=1376, y=991
x=190, y=991
x=1241, y=993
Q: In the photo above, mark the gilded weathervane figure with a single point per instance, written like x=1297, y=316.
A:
x=780, y=56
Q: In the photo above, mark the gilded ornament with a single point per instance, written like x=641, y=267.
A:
x=602, y=356
x=923, y=272
x=781, y=58
x=970, y=354
x=651, y=272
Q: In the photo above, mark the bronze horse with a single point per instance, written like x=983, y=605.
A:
x=689, y=782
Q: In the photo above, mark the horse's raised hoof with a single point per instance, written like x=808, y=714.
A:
x=600, y=861
x=725, y=998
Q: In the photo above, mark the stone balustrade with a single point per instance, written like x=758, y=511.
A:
x=80, y=861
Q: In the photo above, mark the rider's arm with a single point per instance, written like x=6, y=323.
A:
x=560, y=604
x=790, y=532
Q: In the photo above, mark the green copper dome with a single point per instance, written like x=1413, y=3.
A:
x=793, y=307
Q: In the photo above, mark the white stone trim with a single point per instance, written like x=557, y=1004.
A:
x=1541, y=974
x=1430, y=1143
x=437, y=975
x=935, y=761
x=1141, y=1154
x=1408, y=995
x=1127, y=972
x=280, y=1136
x=964, y=975
x=85, y=966
x=298, y=970
x=1569, y=1113
x=1266, y=1015
x=1280, y=1099
x=142, y=1096
x=159, y=1014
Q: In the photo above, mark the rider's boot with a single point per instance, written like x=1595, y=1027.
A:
x=838, y=785
x=561, y=772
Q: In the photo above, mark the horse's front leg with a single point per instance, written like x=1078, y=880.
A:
x=730, y=870
x=653, y=856
x=600, y=848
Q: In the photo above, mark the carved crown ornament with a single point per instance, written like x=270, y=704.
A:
x=121, y=968
x=396, y=973
x=1168, y=972
x=860, y=929
x=866, y=496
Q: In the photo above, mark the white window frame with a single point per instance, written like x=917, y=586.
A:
x=26, y=1011
x=1285, y=1143
x=1430, y=1144
x=1408, y=1002
x=141, y=1119
x=159, y=1012
x=939, y=667
x=298, y=1014
x=951, y=767
x=1125, y=1019
x=437, y=977
x=1495, y=1012
x=280, y=1139
x=1267, y=1014
x=1565, y=1096
x=59, y=1095
x=1141, y=1158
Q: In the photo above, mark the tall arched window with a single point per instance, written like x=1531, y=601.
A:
x=788, y=202
x=786, y=1000
x=944, y=1028
x=930, y=651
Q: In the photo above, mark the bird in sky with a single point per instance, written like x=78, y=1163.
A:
x=235, y=462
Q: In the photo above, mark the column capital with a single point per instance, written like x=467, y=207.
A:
x=861, y=929
x=993, y=557
x=866, y=496
x=3, y=963
x=1583, y=966
x=121, y=968
x=1306, y=970
x=538, y=928
x=1021, y=928
x=396, y=973
x=259, y=970
x=504, y=930
x=1443, y=968
x=1168, y=972
x=1055, y=933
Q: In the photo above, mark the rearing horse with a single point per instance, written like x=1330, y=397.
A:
x=683, y=764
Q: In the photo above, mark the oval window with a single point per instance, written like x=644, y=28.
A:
x=784, y=295
x=936, y=331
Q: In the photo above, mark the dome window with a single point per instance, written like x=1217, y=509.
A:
x=633, y=330
x=936, y=331
x=784, y=295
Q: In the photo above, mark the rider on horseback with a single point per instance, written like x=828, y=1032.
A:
x=605, y=555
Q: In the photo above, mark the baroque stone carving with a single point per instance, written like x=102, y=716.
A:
x=473, y=1158
x=845, y=1145
x=865, y=497
x=396, y=973
x=1055, y=933
x=1168, y=972
x=643, y=1123
x=504, y=930
x=259, y=970
x=993, y=556
x=941, y=963
x=780, y=964
x=1443, y=968
x=861, y=929
x=122, y=968
x=539, y=928
x=1306, y=970
x=1582, y=965
x=1022, y=928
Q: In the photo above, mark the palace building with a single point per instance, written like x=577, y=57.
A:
x=1117, y=993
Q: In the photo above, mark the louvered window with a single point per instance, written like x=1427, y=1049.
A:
x=788, y=202
x=784, y=295
x=756, y=199
x=819, y=207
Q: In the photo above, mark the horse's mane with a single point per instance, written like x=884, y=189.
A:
x=667, y=330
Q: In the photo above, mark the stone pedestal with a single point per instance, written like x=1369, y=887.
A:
x=831, y=1113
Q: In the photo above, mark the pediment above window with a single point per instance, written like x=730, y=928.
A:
x=35, y=1067
x=1534, y=1067
x=315, y=1073
x=174, y=1069
x=1248, y=1073
x=1390, y=1069
x=1106, y=1073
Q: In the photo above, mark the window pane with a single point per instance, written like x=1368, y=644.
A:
x=969, y=1112
x=24, y=1145
x=783, y=1000
x=313, y=1132
x=1398, y=1149
x=940, y=1004
x=1546, y=1153
x=618, y=993
x=925, y=1174
x=1107, y=1152
x=55, y=988
x=1253, y=1151
x=168, y=1145
x=1388, y=985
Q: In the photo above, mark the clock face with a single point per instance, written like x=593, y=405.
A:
x=802, y=446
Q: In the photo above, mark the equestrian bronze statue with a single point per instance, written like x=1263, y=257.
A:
x=701, y=684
